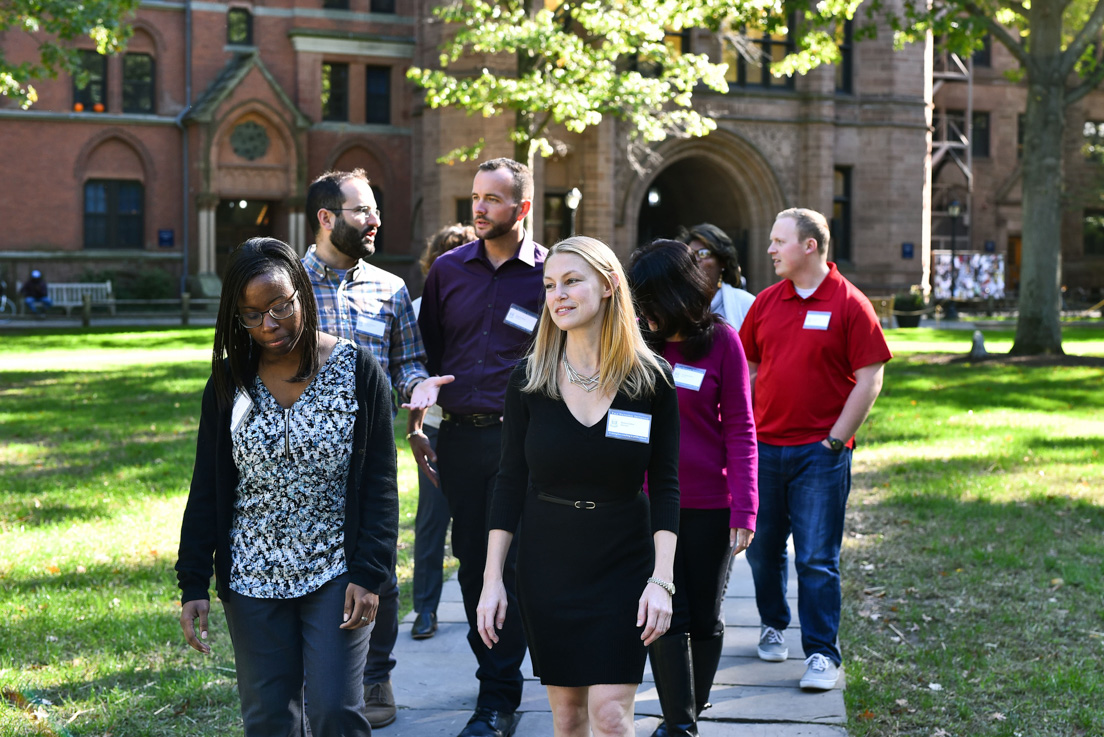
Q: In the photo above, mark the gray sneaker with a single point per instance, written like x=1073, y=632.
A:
x=772, y=645
x=821, y=674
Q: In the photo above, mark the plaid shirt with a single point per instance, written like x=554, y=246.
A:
x=372, y=308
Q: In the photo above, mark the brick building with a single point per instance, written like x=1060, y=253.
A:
x=208, y=129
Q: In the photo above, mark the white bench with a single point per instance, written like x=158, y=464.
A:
x=71, y=294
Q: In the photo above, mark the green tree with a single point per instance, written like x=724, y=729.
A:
x=54, y=25
x=1058, y=46
x=574, y=62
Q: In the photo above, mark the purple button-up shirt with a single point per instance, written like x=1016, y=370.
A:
x=464, y=324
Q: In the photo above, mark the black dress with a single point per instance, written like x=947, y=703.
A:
x=580, y=572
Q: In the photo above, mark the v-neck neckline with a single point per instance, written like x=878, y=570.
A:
x=306, y=388
x=580, y=423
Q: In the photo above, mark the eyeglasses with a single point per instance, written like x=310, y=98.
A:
x=363, y=210
x=702, y=253
x=282, y=311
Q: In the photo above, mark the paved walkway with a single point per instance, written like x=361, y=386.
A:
x=435, y=685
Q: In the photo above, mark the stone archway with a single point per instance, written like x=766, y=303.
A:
x=252, y=181
x=721, y=179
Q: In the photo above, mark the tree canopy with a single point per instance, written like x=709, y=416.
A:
x=575, y=62
x=55, y=25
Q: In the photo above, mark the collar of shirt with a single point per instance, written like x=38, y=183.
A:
x=526, y=253
x=824, y=291
x=323, y=271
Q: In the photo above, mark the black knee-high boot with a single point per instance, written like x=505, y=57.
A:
x=706, y=657
x=673, y=670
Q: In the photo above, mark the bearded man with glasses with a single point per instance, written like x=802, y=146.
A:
x=372, y=308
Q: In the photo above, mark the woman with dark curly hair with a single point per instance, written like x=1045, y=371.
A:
x=717, y=256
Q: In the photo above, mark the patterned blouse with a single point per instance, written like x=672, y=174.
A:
x=286, y=539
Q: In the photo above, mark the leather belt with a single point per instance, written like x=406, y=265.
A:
x=485, y=419
x=579, y=503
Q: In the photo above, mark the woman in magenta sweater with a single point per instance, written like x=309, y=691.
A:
x=717, y=470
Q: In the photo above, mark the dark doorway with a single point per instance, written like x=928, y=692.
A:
x=236, y=221
x=691, y=191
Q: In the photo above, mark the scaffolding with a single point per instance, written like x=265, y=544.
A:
x=952, y=138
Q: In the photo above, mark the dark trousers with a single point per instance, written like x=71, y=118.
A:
x=276, y=642
x=467, y=460
x=703, y=557
x=430, y=529
x=381, y=656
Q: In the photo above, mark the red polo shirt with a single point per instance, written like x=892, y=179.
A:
x=808, y=351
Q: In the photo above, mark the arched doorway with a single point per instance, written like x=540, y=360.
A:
x=720, y=179
x=694, y=190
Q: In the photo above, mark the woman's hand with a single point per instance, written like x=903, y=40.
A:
x=188, y=613
x=360, y=607
x=654, y=613
x=491, y=612
x=739, y=539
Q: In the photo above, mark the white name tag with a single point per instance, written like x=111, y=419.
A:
x=372, y=326
x=243, y=405
x=521, y=318
x=817, y=320
x=634, y=426
x=688, y=377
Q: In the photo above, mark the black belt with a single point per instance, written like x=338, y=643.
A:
x=579, y=503
x=485, y=419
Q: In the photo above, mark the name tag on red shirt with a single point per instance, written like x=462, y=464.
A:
x=817, y=320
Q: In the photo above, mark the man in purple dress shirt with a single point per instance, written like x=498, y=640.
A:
x=479, y=310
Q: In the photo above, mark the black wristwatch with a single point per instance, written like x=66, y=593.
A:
x=835, y=444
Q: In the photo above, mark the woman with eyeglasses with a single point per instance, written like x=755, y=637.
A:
x=293, y=501
x=720, y=262
x=718, y=471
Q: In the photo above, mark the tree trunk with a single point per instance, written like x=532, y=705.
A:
x=1039, y=330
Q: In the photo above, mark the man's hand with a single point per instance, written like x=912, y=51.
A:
x=424, y=455
x=425, y=393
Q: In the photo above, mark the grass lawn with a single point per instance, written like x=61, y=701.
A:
x=972, y=566
x=97, y=441
x=973, y=599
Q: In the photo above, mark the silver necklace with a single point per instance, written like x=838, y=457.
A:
x=586, y=383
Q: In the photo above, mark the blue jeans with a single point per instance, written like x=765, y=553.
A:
x=430, y=529
x=37, y=304
x=802, y=490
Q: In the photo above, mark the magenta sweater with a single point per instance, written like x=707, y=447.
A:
x=718, y=456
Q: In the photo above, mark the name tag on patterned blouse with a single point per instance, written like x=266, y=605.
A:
x=623, y=425
x=371, y=325
x=817, y=320
x=243, y=405
x=521, y=318
x=688, y=377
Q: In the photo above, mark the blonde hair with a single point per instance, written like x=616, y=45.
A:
x=625, y=361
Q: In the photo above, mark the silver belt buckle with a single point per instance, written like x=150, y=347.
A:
x=585, y=505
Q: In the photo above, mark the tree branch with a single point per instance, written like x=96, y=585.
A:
x=1001, y=33
x=1015, y=6
x=1086, y=86
x=1085, y=36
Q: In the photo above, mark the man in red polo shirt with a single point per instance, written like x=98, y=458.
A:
x=816, y=352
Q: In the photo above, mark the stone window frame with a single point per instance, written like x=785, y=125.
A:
x=842, y=210
x=246, y=38
x=377, y=101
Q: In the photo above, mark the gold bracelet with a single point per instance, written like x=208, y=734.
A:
x=665, y=585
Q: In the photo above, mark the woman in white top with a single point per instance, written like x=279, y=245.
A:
x=718, y=258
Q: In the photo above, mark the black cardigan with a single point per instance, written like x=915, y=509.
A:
x=371, y=498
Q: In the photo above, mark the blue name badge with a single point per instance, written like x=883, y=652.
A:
x=688, y=377
x=624, y=425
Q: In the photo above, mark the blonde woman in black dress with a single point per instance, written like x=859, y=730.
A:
x=588, y=414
